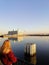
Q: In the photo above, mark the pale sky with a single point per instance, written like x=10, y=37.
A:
x=30, y=16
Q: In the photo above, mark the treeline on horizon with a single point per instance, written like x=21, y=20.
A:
x=37, y=35
x=31, y=35
x=1, y=35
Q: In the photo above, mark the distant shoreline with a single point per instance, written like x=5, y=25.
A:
x=37, y=35
x=1, y=36
x=27, y=35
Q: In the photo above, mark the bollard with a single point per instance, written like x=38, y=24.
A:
x=30, y=49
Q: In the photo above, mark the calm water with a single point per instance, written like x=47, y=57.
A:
x=42, y=48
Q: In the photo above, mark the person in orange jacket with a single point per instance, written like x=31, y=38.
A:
x=6, y=54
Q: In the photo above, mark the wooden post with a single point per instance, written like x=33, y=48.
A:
x=30, y=49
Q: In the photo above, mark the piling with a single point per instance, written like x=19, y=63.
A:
x=30, y=49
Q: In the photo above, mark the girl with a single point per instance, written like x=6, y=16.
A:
x=6, y=54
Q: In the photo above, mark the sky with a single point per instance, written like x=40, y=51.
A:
x=30, y=16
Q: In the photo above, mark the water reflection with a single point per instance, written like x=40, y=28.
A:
x=12, y=38
x=42, y=44
x=16, y=38
x=31, y=59
x=20, y=38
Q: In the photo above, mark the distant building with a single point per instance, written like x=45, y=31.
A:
x=12, y=32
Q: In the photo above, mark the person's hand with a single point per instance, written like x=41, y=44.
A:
x=11, y=64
